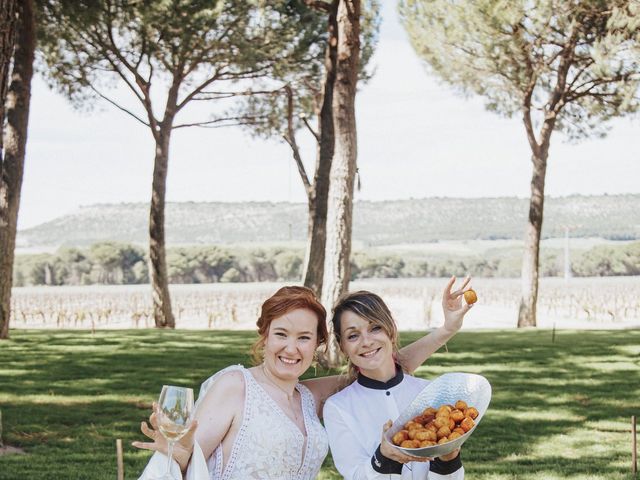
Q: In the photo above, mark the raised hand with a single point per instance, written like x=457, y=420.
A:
x=453, y=306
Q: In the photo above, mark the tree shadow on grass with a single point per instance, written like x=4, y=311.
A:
x=136, y=365
x=71, y=441
x=542, y=391
x=66, y=396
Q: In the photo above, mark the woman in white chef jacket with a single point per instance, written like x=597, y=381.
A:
x=354, y=417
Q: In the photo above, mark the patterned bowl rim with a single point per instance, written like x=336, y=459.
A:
x=480, y=385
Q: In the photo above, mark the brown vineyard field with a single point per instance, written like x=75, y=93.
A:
x=611, y=302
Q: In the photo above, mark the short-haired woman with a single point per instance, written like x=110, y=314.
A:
x=381, y=390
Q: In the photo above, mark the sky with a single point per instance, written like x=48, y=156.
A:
x=416, y=139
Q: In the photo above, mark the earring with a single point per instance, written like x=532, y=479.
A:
x=314, y=363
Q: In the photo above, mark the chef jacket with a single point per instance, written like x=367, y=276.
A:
x=354, y=418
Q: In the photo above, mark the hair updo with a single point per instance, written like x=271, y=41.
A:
x=282, y=302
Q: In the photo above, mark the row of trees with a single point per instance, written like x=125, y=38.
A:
x=119, y=264
x=112, y=263
x=566, y=66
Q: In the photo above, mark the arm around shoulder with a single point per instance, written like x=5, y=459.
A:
x=323, y=387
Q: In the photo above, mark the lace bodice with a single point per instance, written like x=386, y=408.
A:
x=268, y=444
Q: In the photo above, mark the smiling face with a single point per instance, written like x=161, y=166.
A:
x=290, y=343
x=367, y=345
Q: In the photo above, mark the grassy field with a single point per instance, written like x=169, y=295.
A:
x=559, y=410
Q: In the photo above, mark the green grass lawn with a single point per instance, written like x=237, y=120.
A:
x=559, y=410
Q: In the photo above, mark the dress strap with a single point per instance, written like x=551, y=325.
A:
x=206, y=385
x=308, y=402
x=308, y=413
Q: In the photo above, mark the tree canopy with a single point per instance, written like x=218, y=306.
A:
x=573, y=60
x=270, y=110
x=567, y=66
x=89, y=47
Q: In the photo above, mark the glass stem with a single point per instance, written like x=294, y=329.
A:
x=169, y=458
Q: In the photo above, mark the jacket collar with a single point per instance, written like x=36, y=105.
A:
x=377, y=384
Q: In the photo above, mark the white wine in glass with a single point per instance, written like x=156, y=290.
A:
x=171, y=431
x=175, y=407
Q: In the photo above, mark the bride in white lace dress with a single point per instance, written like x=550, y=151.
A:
x=263, y=422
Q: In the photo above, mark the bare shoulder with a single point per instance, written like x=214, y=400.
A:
x=326, y=386
x=219, y=409
x=229, y=387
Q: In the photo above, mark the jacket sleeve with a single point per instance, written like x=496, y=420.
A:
x=450, y=470
x=351, y=459
x=354, y=462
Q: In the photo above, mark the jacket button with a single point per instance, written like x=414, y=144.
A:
x=388, y=393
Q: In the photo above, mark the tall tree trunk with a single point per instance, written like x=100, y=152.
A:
x=313, y=271
x=530, y=259
x=17, y=111
x=343, y=168
x=157, y=255
x=7, y=42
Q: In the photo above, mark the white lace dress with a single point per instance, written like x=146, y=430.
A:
x=269, y=445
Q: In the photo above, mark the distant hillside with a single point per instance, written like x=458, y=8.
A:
x=375, y=223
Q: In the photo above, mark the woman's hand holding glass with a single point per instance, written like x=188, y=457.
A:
x=172, y=429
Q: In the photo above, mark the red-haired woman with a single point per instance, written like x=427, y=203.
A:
x=262, y=422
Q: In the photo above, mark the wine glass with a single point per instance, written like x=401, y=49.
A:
x=174, y=417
